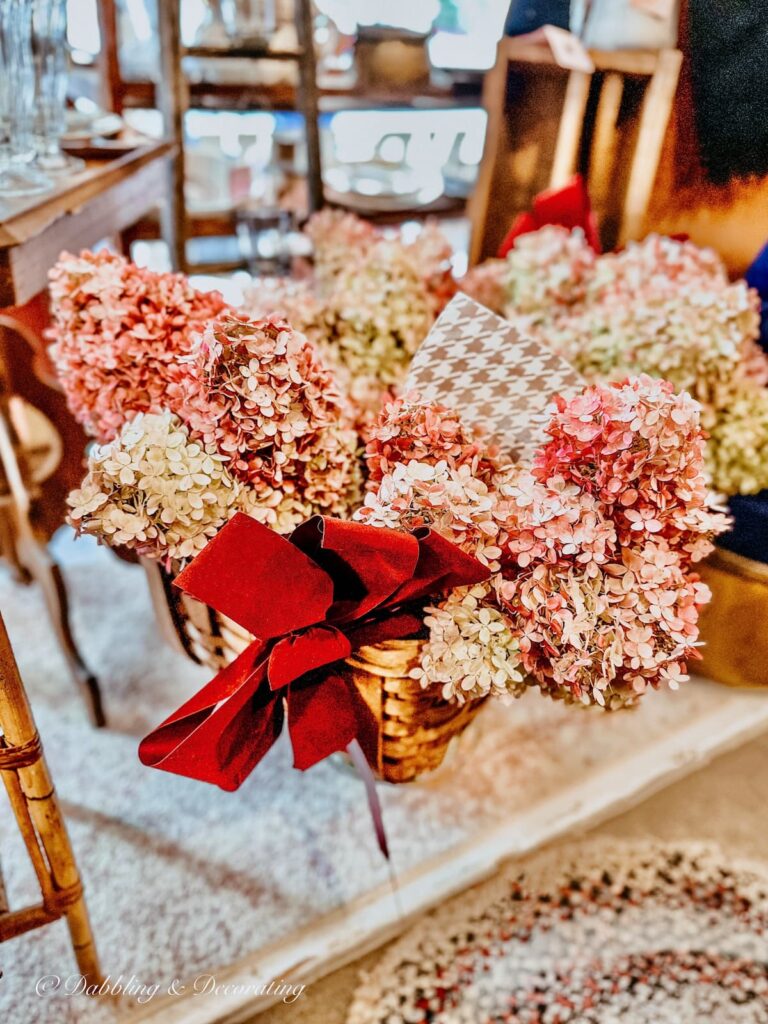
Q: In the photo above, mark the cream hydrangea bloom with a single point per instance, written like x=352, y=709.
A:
x=154, y=490
x=471, y=651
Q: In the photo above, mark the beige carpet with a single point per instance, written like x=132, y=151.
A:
x=725, y=802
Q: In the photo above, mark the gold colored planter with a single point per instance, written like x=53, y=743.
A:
x=734, y=626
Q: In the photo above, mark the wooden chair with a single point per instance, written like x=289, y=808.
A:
x=36, y=808
x=546, y=122
x=30, y=449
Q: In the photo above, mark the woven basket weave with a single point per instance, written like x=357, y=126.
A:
x=415, y=725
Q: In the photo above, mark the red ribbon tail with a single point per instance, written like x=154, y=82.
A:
x=360, y=762
x=222, y=732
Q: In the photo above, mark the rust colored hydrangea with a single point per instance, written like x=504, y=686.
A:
x=262, y=397
x=409, y=430
x=121, y=334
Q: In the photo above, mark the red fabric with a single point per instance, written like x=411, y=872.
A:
x=568, y=206
x=310, y=600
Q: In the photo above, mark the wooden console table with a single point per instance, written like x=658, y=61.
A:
x=104, y=199
x=111, y=194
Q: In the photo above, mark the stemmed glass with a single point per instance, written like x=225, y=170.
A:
x=50, y=58
x=17, y=91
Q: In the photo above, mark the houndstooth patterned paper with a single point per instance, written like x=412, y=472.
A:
x=499, y=380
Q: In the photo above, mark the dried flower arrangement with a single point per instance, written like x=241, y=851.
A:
x=592, y=596
x=579, y=562
x=661, y=307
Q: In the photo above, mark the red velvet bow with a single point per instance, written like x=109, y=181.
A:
x=310, y=600
x=568, y=206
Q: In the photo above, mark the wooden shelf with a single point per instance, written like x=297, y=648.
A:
x=246, y=52
x=341, y=94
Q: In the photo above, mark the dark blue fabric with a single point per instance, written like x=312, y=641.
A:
x=757, y=277
x=749, y=536
x=528, y=15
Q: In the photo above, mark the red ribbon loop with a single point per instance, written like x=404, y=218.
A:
x=568, y=206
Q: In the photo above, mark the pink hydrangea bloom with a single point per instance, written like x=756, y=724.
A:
x=260, y=395
x=638, y=447
x=120, y=334
x=409, y=430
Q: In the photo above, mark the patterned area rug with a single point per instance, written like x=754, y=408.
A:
x=588, y=934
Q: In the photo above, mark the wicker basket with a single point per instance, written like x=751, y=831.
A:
x=415, y=725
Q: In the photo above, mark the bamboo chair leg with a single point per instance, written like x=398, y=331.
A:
x=37, y=810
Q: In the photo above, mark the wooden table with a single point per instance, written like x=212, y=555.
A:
x=104, y=199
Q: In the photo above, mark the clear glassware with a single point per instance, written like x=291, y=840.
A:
x=17, y=88
x=247, y=21
x=50, y=57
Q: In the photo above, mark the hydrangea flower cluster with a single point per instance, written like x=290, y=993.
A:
x=337, y=237
x=376, y=317
x=408, y=430
x=254, y=394
x=431, y=253
x=120, y=336
x=611, y=608
x=372, y=301
x=661, y=307
x=547, y=269
x=593, y=597
x=260, y=395
x=486, y=283
x=155, y=490
x=469, y=630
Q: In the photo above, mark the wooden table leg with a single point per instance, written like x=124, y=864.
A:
x=33, y=554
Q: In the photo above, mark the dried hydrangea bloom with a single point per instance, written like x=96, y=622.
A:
x=471, y=651
x=554, y=522
x=703, y=342
x=600, y=541
x=487, y=284
x=121, y=334
x=546, y=271
x=663, y=264
x=638, y=447
x=261, y=396
x=737, y=447
x=606, y=638
x=337, y=237
x=409, y=430
x=432, y=255
x=154, y=490
x=449, y=500
x=376, y=318
x=291, y=300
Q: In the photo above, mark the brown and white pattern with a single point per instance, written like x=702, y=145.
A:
x=474, y=361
